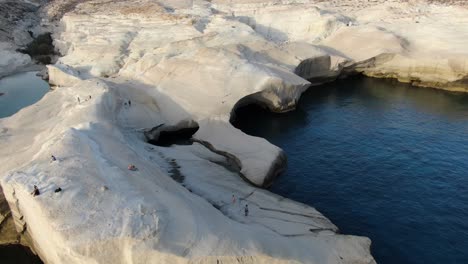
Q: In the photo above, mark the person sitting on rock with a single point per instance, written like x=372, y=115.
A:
x=35, y=192
x=53, y=158
x=131, y=167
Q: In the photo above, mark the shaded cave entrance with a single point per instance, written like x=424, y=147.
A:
x=181, y=136
x=18, y=254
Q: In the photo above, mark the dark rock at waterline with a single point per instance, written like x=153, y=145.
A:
x=14, y=246
x=18, y=254
x=314, y=67
x=2, y=94
x=276, y=169
x=43, y=59
x=42, y=45
x=44, y=74
x=41, y=49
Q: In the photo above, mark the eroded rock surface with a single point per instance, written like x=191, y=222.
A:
x=18, y=24
x=130, y=66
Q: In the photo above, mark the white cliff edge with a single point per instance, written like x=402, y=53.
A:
x=185, y=64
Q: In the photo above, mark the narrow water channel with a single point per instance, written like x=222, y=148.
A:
x=380, y=159
x=16, y=92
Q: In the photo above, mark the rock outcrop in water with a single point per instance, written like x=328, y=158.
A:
x=182, y=63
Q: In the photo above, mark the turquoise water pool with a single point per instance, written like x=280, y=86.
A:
x=20, y=90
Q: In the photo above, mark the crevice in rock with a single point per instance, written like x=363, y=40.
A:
x=292, y=213
x=280, y=163
x=41, y=49
x=318, y=70
x=245, y=103
x=263, y=100
x=232, y=160
x=312, y=228
x=165, y=136
x=174, y=171
x=15, y=247
x=295, y=222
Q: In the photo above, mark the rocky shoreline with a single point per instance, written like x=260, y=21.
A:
x=189, y=64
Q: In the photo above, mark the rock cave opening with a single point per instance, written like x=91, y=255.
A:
x=165, y=137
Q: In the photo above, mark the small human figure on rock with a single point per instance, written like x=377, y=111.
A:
x=129, y=103
x=89, y=98
x=53, y=158
x=78, y=98
x=35, y=192
x=233, y=199
x=58, y=190
x=132, y=167
x=246, y=210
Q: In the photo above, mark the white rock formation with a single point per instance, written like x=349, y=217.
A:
x=191, y=63
x=420, y=43
x=107, y=213
x=10, y=60
x=16, y=18
x=62, y=75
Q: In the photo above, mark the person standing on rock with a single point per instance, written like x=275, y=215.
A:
x=246, y=210
x=35, y=192
x=129, y=103
x=78, y=98
x=233, y=199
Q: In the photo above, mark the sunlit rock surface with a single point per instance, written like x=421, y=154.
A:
x=130, y=66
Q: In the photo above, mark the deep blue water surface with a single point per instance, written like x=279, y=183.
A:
x=380, y=159
x=20, y=90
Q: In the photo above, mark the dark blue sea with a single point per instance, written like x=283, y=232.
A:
x=380, y=159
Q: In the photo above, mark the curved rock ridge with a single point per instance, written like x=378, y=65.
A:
x=428, y=40
x=135, y=65
x=423, y=44
x=209, y=58
x=106, y=213
x=195, y=75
